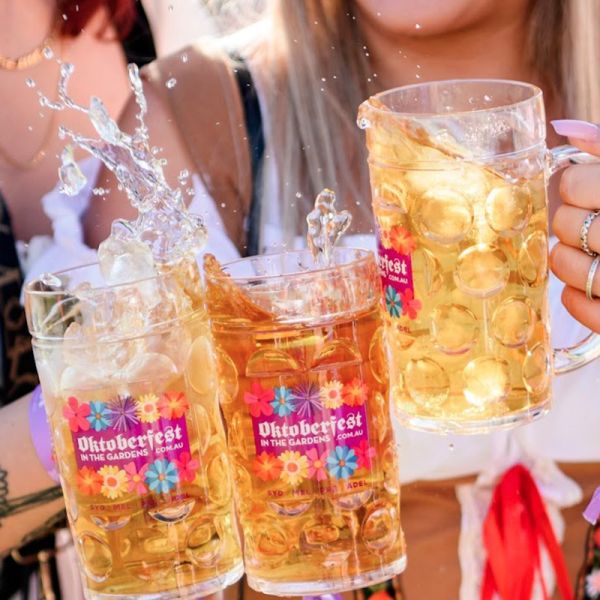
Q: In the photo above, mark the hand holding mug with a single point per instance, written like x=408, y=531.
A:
x=574, y=259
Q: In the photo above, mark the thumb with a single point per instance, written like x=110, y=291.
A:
x=583, y=134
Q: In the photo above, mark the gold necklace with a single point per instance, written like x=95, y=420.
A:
x=40, y=153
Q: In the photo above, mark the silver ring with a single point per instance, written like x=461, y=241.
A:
x=584, y=231
x=590, y=278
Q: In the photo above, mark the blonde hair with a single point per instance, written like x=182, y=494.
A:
x=581, y=60
x=318, y=73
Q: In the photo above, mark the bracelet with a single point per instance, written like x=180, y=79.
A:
x=40, y=433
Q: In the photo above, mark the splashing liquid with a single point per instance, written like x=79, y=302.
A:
x=325, y=227
x=163, y=224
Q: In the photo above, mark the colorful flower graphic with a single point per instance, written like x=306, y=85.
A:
x=592, y=583
x=355, y=393
x=162, y=476
x=135, y=478
x=88, y=481
x=259, y=400
x=114, y=481
x=307, y=399
x=386, y=238
x=122, y=411
x=410, y=305
x=342, y=462
x=331, y=394
x=267, y=466
x=364, y=454
x=99, y=417
x=187, y=467
x=147, y=408
x=294, y=467
x=393, y=301
x=76, y=414
x=283, y=405
x=172, y=405
x=317, y=464
x=401, y=240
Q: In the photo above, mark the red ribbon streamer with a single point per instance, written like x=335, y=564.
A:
x=514, y=528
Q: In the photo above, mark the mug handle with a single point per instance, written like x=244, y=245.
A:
x=588, y=349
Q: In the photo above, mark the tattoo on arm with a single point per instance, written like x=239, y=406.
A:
x=10, y=507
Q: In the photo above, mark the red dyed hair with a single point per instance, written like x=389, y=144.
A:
x=74, y=15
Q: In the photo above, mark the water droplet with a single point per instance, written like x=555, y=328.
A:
x=30, y=83
x=417, y=26
x=72, y=178
x=171, y=83
x=29, y=128
x=184, y=57
x=183, y=174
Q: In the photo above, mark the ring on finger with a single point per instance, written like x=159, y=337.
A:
x=584, y=232
x=590, y=278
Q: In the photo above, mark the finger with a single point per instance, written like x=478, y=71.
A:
x=579, y=186
x=587, y=312
x=567, y=224
x=572, y=266
x=584, y=135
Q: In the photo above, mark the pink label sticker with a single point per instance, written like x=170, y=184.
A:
x=131, y=445
x=395, y=267
x=308, y=431
x=141, y=444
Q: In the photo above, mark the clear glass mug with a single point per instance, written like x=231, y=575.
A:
x=137, y=432
x=304, y=392
x=459, y=171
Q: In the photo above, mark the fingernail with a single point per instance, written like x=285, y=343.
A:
x=580, y=130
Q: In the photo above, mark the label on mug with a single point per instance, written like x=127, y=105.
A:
x=310, y=432
x=394, y=247
x=131, y=445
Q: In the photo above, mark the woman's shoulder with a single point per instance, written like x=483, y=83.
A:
x=198, y=88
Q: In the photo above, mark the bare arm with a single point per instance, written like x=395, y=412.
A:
x=23, y=479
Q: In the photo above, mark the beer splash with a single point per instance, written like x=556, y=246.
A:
x=325, y=227
x=163, y=223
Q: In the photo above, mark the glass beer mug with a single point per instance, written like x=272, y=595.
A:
x=139, y=441
x=458, y=173
x=304, y=392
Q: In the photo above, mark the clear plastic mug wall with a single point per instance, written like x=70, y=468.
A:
x=459, y=171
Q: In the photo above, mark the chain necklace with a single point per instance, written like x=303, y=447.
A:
x=40, y=153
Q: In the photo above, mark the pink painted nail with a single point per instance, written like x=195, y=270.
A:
x=579, y=130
